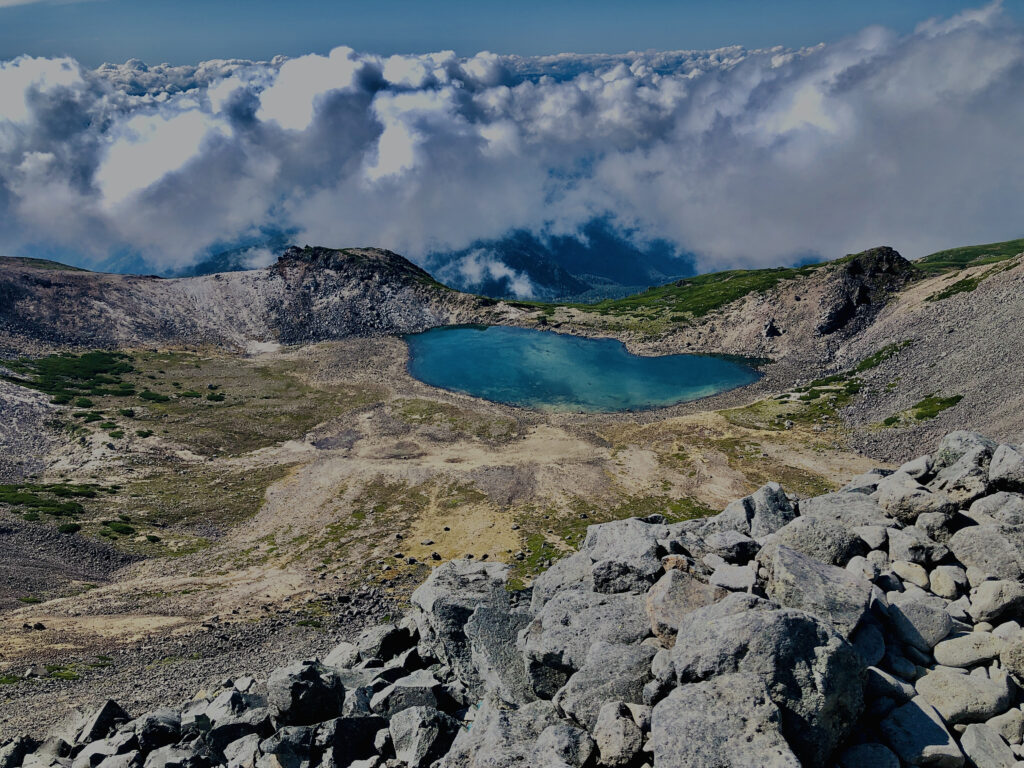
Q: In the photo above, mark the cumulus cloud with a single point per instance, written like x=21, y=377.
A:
x=480, y=269
x=742, y=157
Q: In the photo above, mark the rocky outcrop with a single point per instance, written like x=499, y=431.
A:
x=876, y=626
x=310, y=294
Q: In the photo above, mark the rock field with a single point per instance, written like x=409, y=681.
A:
x=876, y=626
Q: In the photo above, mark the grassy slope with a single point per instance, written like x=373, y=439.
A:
x=969, y=256
x=56, y=266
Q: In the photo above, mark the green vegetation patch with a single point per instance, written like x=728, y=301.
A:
x=50, y=499
x=969, y=256
x=70, y=377
x=933, y=405
x=877, y=358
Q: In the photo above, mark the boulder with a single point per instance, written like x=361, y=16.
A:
x=420, y=689
x=618, y=738
x=611, y=672
x=984, y=547
x=764, y=511
x=625, y=553
x=1009, y=725
x=345, y=739
x=968, y=650
x=821, y=539
x=305, y=692
x=101, y=721
x=442, y=605
x=242, y=753
x=734, y=578
x=799, y=581
x=674, y=596
x=962, y=698
x=96, y=751
x=904, y=498
x=556, y=642
x=1006, y=472
x=729, y=720
x=502, y=736
x=572, y=572
x=175, y=756
x=985, y=748
x=999, y=508
x=994, y=599
x=919, y=620
x=920, y=468
x=421, y=735
x=918, y=736
x=157, y=729
x=13, y=752
x=384, y=641
x=848, y=509
x=492, y=634
x=732, y=546
x=563, y=744
x=342, y=656
x=947, y=581
x=955, y=445
x=967, y=479
x=915, y=546
x=288, y=747
x=812, y=674
x=1012, y=658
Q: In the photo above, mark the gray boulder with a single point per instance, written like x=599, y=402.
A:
x=95, y=752
x=985, y=748
x=994, y=599
x=492, y=633
x=618, y=738
x=955, y=445
x=984, y=547
x=572, y=572
x=625, y=553
x=998, y=508
x=384, y=641
x=919, y=620
x=673, y=597
x=729, y=720
x=1006, y=471
x=962, y=698
x=799, y=581
x=918, y=736
x=344, y=739
x=305, y=692
x=821, y=539
x=968, y=650
x=421, y=735
x=157, y=729
x=764, y=511
x=905, y=499
x=732, y=546
x=242, y=753
x=420, y=689
x=563, y=744
x=556, y=642
x=915, y=546
x=13, y=752
x=812, y=674
x=847, y=509
x=442, y=605
x=101, y=721
x=967, y=479
x=611, y=672
x=342, y=656
x=502, y=736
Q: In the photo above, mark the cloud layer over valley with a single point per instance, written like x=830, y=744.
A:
x=741, y=157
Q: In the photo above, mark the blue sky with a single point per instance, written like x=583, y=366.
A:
x=185, y=31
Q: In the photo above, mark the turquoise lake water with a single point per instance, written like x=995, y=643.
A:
x=554, y=371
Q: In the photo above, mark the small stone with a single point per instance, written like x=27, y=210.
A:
x=911, y=572
x=1009, y=725
x=947, y=581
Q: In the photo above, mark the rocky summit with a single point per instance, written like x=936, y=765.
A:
x=875, y=626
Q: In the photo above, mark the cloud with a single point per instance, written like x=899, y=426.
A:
x=742, y=157
x=481, y=269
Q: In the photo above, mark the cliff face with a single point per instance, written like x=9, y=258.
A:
x=311, y=294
